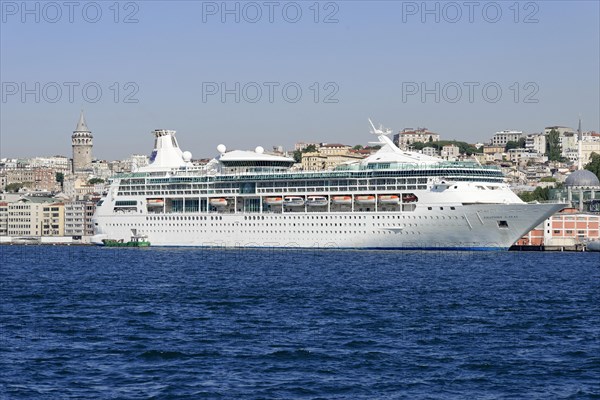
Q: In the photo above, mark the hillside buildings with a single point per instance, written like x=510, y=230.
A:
x=408, y=136
x=503, y=137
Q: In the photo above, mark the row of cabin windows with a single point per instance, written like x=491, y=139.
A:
x=236, y=224
x=383, y=232
x=262, y=217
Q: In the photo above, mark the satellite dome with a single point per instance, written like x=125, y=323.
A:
x=582, y=177
x=221, y=148
x=187, y=156
x=259, y=150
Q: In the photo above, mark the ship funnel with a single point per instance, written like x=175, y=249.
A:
x=166, y=153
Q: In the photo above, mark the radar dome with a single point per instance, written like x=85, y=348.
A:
x=259, y=150
x=221, y=148
x=582, y=177
x=187, y=156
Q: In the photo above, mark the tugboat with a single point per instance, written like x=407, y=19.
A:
x=136, y=241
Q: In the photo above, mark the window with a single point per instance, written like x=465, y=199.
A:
x=503, y=224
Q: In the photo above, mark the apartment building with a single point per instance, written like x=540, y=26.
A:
x=503, y=137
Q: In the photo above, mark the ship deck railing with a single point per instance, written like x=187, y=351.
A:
x=339, y=172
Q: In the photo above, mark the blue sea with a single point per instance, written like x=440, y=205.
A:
x=101, y=323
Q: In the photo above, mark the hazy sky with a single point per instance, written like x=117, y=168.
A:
x=165, y=64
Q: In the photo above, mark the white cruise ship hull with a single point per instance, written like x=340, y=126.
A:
x=460, y=227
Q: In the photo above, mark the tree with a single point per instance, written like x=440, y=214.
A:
x=539, y=194
x=310, y=148
x=298, y=156
x=357, y=147
x=94, y=181
x=553, y=146
x=60, y=178
x=511, y=145
x=594, y=164
x=417, y=145
x=14, y=187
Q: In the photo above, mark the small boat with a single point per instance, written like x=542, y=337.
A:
x=389, y=199
x=367, y=199
x=409, y=198
x=136, y=241
x=342, y=200
x=316, y=201
x=293, y=201
x=218, y=202
x=274, y=201
x=593, y=245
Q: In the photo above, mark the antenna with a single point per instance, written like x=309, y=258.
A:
x=374, y=129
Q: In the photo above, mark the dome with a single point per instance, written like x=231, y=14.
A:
x=582, y=177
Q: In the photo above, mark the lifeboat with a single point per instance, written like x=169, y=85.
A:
x=367, y=199
x=409, y=198
x=389, y=199
x=293, y=201
x=218, y=202
x=155, y=202
x=342, y=200
x=316, y=201
x=274, y=201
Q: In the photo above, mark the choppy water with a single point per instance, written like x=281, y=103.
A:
x=91, y=323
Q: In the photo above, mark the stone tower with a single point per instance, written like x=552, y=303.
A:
x=81, y=140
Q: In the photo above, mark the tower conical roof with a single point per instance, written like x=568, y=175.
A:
x=81, y=125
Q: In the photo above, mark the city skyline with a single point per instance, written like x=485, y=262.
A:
x=67, y=152
x=202, y=72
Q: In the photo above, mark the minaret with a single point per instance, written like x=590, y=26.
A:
x=579, y=146
x=81, y=140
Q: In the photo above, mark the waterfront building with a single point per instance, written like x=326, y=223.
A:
x=25, y=217
x=567, y=228
x=3, y=218
x=53, y=219
x=78, y=218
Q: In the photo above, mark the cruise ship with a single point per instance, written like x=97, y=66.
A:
x=393, y=199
